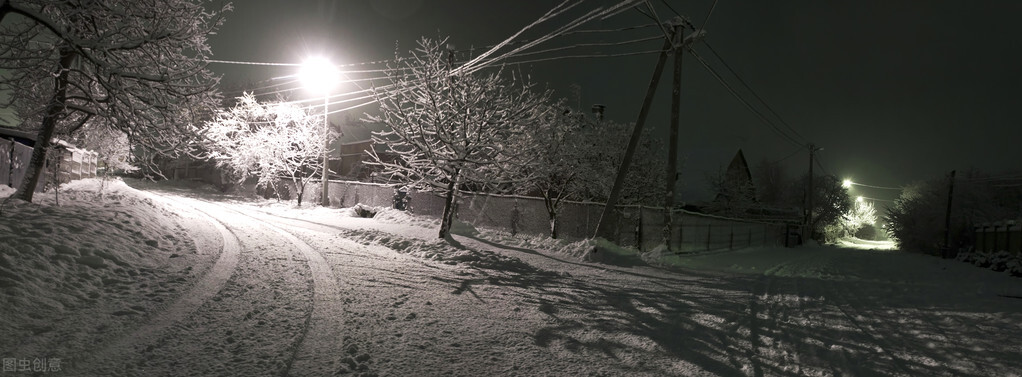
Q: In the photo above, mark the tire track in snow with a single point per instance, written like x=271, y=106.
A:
x=957, y=354
x=322, y=331
x=883, y=346
x=207, y=287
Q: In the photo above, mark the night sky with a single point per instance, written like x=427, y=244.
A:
x=893, y=91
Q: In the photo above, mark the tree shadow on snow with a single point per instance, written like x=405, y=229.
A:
x=741, y=324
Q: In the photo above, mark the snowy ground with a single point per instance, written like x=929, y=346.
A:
x=169, y=281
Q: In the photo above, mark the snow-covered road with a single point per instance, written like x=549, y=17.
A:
x=276, y=290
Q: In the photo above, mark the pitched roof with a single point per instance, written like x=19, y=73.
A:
x=739, y=168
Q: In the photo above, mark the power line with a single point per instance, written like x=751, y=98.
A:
x=578, y=45
x=671, y=8
x=707, y=18
x=820, y=164
x=589, y=16
x=792, y=154
x=749, y=88
x=256, y=89
x=479, y=62
x=586, y=56
x=731, y=90
x=251, y=63
x=609, y=30
x=1012, y=177
x=876, y=187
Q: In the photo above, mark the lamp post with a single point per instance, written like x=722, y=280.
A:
x=319, y=76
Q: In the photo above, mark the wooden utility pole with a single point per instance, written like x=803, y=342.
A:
x=672, y=153
x=810, y=192
x=608, y=221
x=947, y=217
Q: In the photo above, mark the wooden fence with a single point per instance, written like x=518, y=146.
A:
x=1001, y=235
x=68, y=163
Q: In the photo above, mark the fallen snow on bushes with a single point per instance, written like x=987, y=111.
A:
x=1008, y=262
x=486, y=302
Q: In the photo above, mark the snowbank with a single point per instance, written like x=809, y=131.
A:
x=102, y=259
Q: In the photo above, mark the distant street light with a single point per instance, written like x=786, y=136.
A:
x=320, y=76
x=847, y=183
x=860, y=199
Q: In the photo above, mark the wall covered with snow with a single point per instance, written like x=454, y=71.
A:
x=638, y=226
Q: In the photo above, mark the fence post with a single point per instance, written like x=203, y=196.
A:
x=638, y=230
x=731, y=241
x=709, y=229
x=1008, y=235
x=681, y=232
x=986, y=241
x=996, y=234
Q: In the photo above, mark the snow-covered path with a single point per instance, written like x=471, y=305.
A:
x=316, y=292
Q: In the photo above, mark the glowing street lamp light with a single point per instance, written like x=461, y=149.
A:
x=860, y=199
x=846, y=183
x=320, y=76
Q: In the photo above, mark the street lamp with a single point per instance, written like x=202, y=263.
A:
x=846, y=183
x=319, y=76
x=860, y=199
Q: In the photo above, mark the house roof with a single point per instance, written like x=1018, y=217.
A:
x=739, y=168
x=14, y=132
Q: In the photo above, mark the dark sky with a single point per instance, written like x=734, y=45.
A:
x=894, y=91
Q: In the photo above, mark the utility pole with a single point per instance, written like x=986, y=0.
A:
x=324, y=198
x=608, y=221
x=672, y=154
x=947, y=217
x=810, y=192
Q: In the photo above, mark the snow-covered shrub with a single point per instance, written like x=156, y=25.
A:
x=916, y=220
x=964, y=254
x=981, y=259
x=999, y=260
x=1014, y=265
x=364, y=211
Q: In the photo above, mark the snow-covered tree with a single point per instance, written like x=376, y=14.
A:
x=451, y=129
x=111, y=145
x=830, y=201
x=772, y=183
x=734, y=196
x=916, y=219
x=138, y=65
x=564, y=167
x=861, y=214
x=644, y=182
x=268, y=141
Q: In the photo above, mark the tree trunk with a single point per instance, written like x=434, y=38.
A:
x=49, y=124
x=448, y=218
x=551, y=210
x=300, y=188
